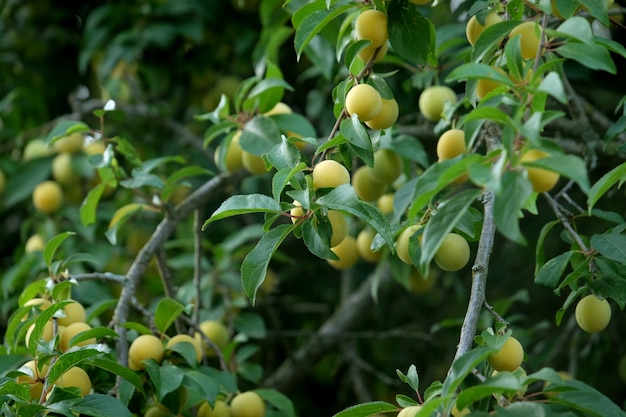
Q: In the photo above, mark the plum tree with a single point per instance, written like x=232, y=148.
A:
x=371, y=25
x=75, y=377
x=453, y=254
x=364, y=101
x=347, y=253
x=220, y=409
x=72, y=330
x=247, y=404
x=387, y=116
x=364, y=243
x=387, y=166
x=145, y=346
x=541, y=179
x=530, y=39
x=216, y=332
x=402, y=243
x=474, y=28
x=365, y=184
x=47, y=197
x=592, y=313
x=329, y=174
x=451, y=144
x=509, y=357
x=73, y=312
x=432, y=100
x=339, y=227
x=185, y=338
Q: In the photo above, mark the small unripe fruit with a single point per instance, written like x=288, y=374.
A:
x=216, y=332
x=72, y=330
x=387, y=166
x=145, y=346
x=432, y=100
x=339, y=227
x=509, y=357
x=329, y=174
x=542, y=180
x=247, y=404
x=474, y=28
x=347, y=253
x=402, y=243
x=593, y=314
x=364, y=243
x=73, y=312
x=364, y=101
x=185, y=338
x=453, y=254
x=387, y=116
x=451, y=144
x=220, y=409
x=371, y=25
x=297, y=212
x=75, y=377
x=366, y=187
x=529, y=33
x=47, y=197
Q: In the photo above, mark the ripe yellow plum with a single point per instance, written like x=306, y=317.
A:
x=96, y=147
x=387, y=166
x=509, y=357
x=73, y=312
x=75, y=377
x=366, y=53
x=36, y=148
x=364, y=101
x=247, y=404
x=385, y=203
x=365, y=184
x=34, y=243
x=296, y=212
x=329, y=174
x=145, y=346
x=72, y=143
x=371, y=25
x=254, y=164
x=72, y=330
x=387, y=116
x=453, y=254
x=364, y=243
x=155, y=411
x=485, y=86
x=542, y=180
x=347, y=253
x=47, y=197
x=185, y=338
x=339, y=227
x=593, y=314
x=46, y=336
x=432, y=100
x=220, y=409
x=279, y=108
x=233, y=159
x=474, y=28
x=418, y=284
x=451, y=144
x=402, y=243
x=216, y=332
x=62, y=170
x=529, y=33
x=35, y=381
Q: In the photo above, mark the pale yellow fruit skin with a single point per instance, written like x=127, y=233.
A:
x=432, y=99
x=72, y=143
x=509, y=357
x=145, y=346
x=453, y=254
x=74, y=312
x=220, y=409
x=233, y=159
x=387, y=116
x=385, y=203
x=72, y=330
x=593, y=314
x=62, y=170
x=97, y=147
x=402, y=243
x=365, y=185
x=155, y=411
x=451, y=144
x=247, y=404
x=35, y=381
x=486, y=85
x=474, y=29
x=347, y=253
x=409, y=411
x=528, y=31
x=36, y=148
x=329, y=174
x=462, y=413
x=420, y=285
x=46, y=336
x=339, y=227
x=253, y=163
x=371, y=25
x=216, y=332
x=387, y=166
x=541, y=179
x=279, y=108
x=297, y=212
x=364, y=101
x=364, y=242
x=75, y=377
x=34, y=243
x=47, y=197
x=185, y=338
x=366, y=53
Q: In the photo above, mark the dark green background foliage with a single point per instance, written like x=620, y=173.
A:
x=165, y=62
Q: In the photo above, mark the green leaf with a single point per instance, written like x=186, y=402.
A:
x=491, y=38
x=65, y=128
x=314, y=22
x=167, y=311
x=443, y=221
x=115, y=368
x=550, y=273
x=490, y=113
x=367, y=409
x=242, y=204
x=357, y=135
x=462, y=367
x=610, y=283
x=254, y=265
x=53, y=244
x=410, y=34
x=278, y=400
x=508, y=205
x=260, y=135
x=316, y=236
x=203, y=384
x=577, y=28
x=250, y=324
x=74, y=358
x=476, y=71
x=585, y=399
x=539, y=250
x=220, y=112
x=604, y=184
x=100, y=405
x=592, y=56
x=283, y=176
x=90, y=204
x=553, y=85
x=411, y=378
x=597, y=9
x=294, y=123
x=268, y=84
x=611, y=245
x=570, y=166
x=22, y=182
x=501, y=383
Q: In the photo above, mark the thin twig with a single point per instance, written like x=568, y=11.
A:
x=197, y=265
